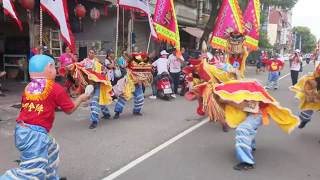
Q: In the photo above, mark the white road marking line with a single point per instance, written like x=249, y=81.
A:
x=284, y=76
x=160, y=147
x=154, y=151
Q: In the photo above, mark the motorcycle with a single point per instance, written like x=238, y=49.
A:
x=164, y=90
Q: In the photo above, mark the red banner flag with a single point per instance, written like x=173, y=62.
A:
x=143, y=6
x=10, y=10
x=58, y=10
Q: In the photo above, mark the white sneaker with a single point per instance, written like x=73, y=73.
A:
x=173, y=95
x=153, y=97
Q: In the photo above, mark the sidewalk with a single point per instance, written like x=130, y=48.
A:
x=13, y=97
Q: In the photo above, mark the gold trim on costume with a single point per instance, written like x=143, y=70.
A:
x=42, y=96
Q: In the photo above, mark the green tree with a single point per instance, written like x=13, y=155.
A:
x=216, y=4
x=308, y=40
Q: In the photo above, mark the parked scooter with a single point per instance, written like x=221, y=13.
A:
x=164, y=90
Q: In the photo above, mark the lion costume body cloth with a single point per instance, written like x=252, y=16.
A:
x=302, y=86
x=216, y=86
x=139, y=71
x=241, y=91
x=92, y=72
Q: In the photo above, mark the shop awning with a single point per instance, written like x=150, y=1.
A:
x=193, y=31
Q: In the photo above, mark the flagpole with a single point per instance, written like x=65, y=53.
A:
x=117, y=33
x=149, y=43
x=41, y=26
x=123, y=28
x=131, y=47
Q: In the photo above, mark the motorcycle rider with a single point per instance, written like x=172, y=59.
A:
x=162, y=65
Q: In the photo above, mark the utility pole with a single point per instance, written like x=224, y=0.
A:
x=199, y=11
x=294, y=40
x=300, y=45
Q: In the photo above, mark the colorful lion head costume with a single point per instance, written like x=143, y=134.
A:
x=84, y=76
x=303, y=85
x=139, y=68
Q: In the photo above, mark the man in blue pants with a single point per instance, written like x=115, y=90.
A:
x=245, y=141
x=39, y=153
x=138, y=97
x=305, y=117
x=102, y=88
x=96, y=108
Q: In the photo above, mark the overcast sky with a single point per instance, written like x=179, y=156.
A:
x=307, y=13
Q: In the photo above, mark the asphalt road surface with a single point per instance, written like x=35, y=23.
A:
x=170, y=142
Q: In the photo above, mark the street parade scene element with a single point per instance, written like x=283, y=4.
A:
x=157, y=89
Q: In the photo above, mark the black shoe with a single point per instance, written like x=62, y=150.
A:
x=17, y=161
x=116, y=116
x=225, y=128
x=302, y=124
x=137, y=114
x=93, y=125
x=108, y=116
x=243, y=166
x=63, y=178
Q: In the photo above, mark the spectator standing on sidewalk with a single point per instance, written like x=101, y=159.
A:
x=65, y=60
x=295, y=66
x=175, y=64
x=111, y=65
x=2, y=73
x=122, y=62
x=274, y=66
x=185, y=54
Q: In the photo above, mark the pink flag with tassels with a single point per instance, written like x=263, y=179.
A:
x=252, y=24
x=229, y=20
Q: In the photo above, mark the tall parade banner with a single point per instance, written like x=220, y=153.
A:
x=9, y=9
x=229, y=20
x=140, y=5
x=252, y=24
x=58, y=10
x=166, y=25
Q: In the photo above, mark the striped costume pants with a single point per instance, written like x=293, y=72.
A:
x=96, y=108
x=245, y=138
x=138, y=98
x=305, y=116
x=39, y=155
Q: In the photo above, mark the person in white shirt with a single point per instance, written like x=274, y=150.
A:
x=295, y=66
x=110, y=64
x=175, y=70
x=162, y=66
